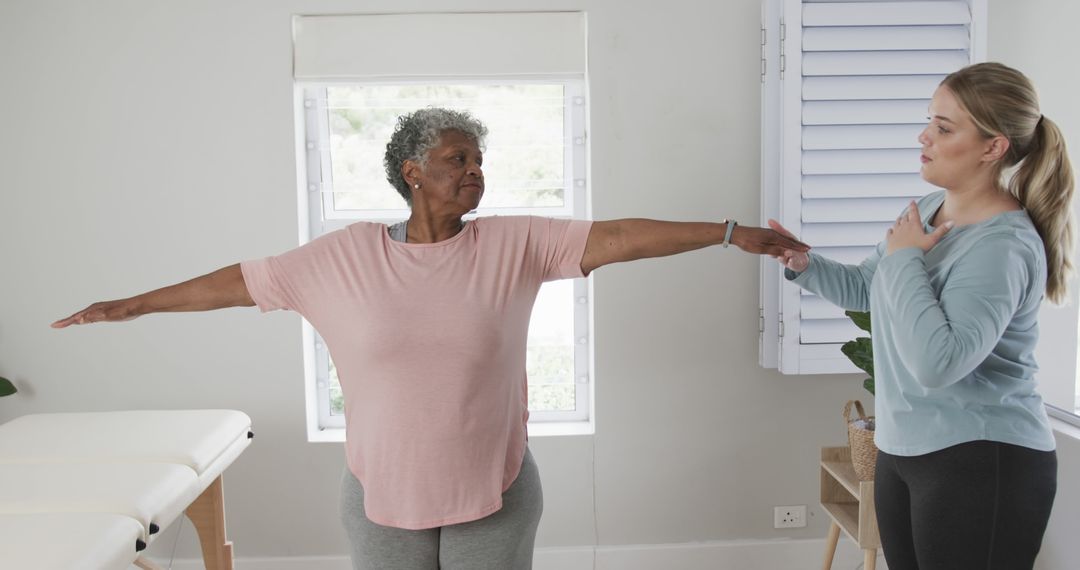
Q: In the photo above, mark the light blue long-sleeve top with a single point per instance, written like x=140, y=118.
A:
x=954, y=331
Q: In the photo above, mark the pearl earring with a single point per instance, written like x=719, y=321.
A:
x=417, y=186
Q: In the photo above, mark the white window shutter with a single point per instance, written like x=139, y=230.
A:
x=845, y=90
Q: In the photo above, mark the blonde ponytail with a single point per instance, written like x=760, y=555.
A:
x=1002, y=101
x=1044, y=185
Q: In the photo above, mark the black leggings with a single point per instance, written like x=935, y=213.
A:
x=981, y=505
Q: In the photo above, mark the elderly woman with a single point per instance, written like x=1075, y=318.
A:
x=427, y=323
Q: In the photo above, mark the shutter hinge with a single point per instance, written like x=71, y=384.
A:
x=783, y=36
x=761, y=320
x=763, y=60
x=780, y=343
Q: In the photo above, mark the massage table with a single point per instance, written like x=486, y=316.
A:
x=91, y=490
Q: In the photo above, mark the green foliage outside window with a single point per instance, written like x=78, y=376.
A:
x=523, y=161
x=551, y=377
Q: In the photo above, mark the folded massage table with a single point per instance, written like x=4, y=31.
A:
x=90, y=490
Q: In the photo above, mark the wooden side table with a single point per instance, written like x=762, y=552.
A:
x=850, y=504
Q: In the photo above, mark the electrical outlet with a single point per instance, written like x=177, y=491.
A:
x=791, y=516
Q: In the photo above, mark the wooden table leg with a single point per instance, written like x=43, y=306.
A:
x=207, y=514
x=869, y=558
x=830, y=545
x=145, y=564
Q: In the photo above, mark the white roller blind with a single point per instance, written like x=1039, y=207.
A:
x=843, y=101
x=366, y=47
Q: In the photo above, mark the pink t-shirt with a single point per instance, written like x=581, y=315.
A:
x=429, y=342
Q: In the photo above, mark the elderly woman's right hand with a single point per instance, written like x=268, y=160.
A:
x=222, y=288
x=119, y=310
x=796, y=261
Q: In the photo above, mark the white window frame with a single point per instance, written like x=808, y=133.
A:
x=783, y=306
x=317, y=218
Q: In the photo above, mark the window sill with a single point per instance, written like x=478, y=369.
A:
x=1065, y=428
x=539, y=429
x=326, y=435
x=1064, y=422
x=551, y=429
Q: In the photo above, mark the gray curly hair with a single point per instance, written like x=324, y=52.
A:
x=417, y=133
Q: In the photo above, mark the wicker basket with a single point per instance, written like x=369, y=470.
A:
x=861, y=439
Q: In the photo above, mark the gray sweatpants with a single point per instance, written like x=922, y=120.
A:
x=502, y=540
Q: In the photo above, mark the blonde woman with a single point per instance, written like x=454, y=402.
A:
x=967, y=472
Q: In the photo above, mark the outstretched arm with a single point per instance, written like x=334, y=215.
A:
x=629, y=239
x=218, y=290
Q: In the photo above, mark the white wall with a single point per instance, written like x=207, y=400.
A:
x=147, y=142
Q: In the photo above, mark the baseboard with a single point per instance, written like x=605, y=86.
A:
x=726, y=555
x=252, y=563
x=716, y=555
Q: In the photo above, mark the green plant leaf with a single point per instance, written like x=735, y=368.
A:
x=861, y=353
x=861, y=350
x=861, y=319
x=6, y=387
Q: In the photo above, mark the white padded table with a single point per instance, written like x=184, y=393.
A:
x=149, y=493
x=145, y=466
x=72, y=541
x=205, y=440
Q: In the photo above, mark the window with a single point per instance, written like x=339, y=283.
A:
x=1057, y=350
x=845, y=88
x=529, y=90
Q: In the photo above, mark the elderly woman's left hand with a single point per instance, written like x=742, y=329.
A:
x=766, y=241
x=908, y=232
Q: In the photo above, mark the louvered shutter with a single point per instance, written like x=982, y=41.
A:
x=846, y=87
